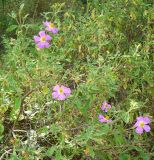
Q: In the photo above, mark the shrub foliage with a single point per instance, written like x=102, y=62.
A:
x=103, y=52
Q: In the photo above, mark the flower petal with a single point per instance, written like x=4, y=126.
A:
x=140, y=118
x=102, y=108
x=137, y=124
x=55, y=95
x=104, y=103
x=102, y=120
x=54, y=30
x=48, y=29
x=100, y=116
x=109, y=120
x=147, y=128
x=105, y=110
x=42, y=33
x=48, y=38
x=109, y=106
x=146, y=120
x=139, y=130
x=61, y=97
x=36, y=39
x=56, y=88
x=46, y=23
x=67, y=91
x=105, y=106
x=46, y=44
x=40, y=45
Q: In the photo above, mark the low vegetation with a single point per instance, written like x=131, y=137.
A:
x=76, y=80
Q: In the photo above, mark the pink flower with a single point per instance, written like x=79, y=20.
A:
x=142, y=125
x=50, y=27
x=105, y=106
x=61, y=92
x=42, y=40
x=103, y=119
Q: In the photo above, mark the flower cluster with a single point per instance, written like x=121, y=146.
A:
x=42, y=41
x=105, y=107
x=141, y=125
x=61, y=92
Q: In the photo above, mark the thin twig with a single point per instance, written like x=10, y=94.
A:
x=17, y=130
x=6, y=152
x=22, y=106
x=22, y=103
x=35, y=9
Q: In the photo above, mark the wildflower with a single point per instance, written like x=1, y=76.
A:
x=142, y=125
x=61, y=92
x=50, y=27
x=105, y=119
x=105, y=106
x=42, y=40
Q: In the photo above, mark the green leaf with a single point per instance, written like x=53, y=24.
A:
x=1, y=128
x=119, y=139
x=86, y=135
x=3, y=3
x=11, y=28
x=58, y=155
x=43, y=131
x=51, y=151
x=21, y=7
x=15, y=109
x=83, y=107
x=102, y=131
x=125, y=117
x=124, y=156
x=17, y=103
x=91, y=152
x=144, y=156
x=1, y=138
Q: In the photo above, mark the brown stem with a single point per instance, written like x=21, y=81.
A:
x=22, y=106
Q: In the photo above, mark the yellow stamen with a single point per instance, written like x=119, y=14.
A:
x=107, y=117
x=43, y=39
x=51, y=25
x=142, y=124
x=61, y=90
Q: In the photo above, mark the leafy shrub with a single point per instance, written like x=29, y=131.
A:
x=103, y=53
